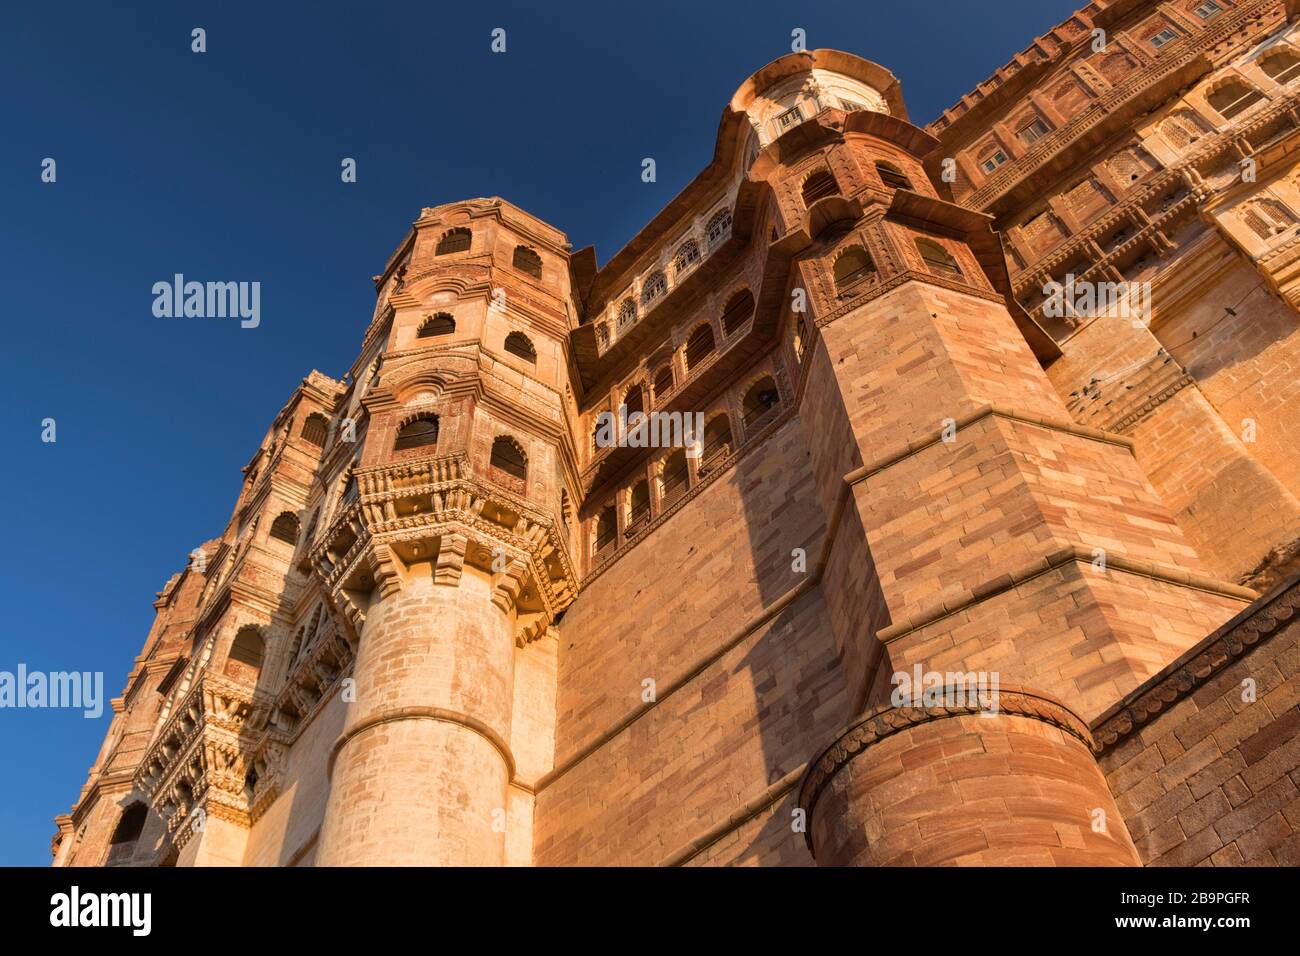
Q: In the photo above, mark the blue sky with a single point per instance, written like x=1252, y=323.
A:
x=225, y=166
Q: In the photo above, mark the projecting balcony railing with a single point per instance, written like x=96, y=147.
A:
x=639, y=521
x=714, y=457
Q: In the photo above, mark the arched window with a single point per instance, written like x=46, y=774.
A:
x=1282, y=66
x=699, y=346
x=130, y=824
x=626, y=313
x=1233, y=98
x=688, y=253
x=800, y=337
x=719, y=228
x=634, y=399
x=285, y=527
x=528, y=261
x=663, y=382
x=818, y=186
x=520, y=345
x=602, y=335
x=566, y=509
x=509, y=457
x=937, y=259
x=453, y=240
x=597, y=426
x=435, y=325
x=350, y=491
x=246, y=652
x=639, y=506
x=315, y=429
x=717, y=443
x=606, y=530
x=297, y=646
x=760, y=400
x=675, y=478
x=892, y=176
x=737, y=312
x=853, y=266
x=654, y=287
x=417, y=433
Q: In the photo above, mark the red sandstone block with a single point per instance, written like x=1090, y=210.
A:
x=1264, y=837
x=1251, y=813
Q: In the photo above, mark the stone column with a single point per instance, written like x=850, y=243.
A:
x=420, y=772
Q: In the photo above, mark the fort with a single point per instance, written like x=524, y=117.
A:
x=1110, y=520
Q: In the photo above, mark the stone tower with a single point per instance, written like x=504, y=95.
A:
x=454, y=562
x=447, y=624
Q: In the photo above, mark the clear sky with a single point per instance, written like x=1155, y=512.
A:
x=226, y=166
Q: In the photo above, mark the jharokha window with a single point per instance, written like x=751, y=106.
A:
x=1282, y=66
x=285, y=528
x=818, y=186
x=663, y=382
x=417, y=433
x=892, y=176
x=719, y=228
x=654, y=287
x=687, y=255
x=454, y=240
x=717, y=444
x=626, y=314
x=853, y=266
x=675, y=478
x=937, y=259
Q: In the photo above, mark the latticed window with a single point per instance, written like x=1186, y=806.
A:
x=1182, y=128
x=818, y=186
x=602, y=334
x=1283, y=66
x=654, y=287
x=528, y=261
x=937, y=259
x=675, y=479
x=626, y=313
x=739, y=308
x=1085, y=199
x=435, y=325
x=315, y=429
x=719, y=228
x=1267, y=217
x=417, y=433
x=854, y=265
x=892, y=176
x=520, y=345
x=699, y=346
x=509, y=457
x=1234, y=98
x=285, y=527
x=688, y=253
x=663, y=382
x=454, y=240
